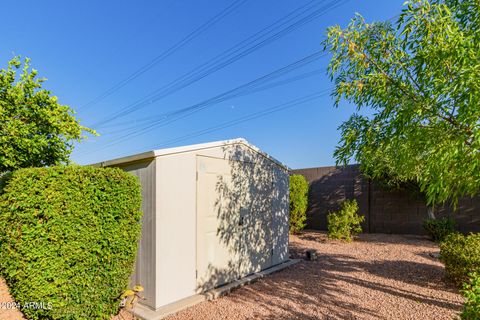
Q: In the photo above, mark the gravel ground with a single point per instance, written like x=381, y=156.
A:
x=376, y=277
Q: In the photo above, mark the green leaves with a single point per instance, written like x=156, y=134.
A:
x=68, y=236
x=345, y=223
x=35, y=130
x=298, y=202
x=419, y=80
x=439, y=228
x=461, y=256
x=471, y=292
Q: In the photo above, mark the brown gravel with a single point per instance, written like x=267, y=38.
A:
x=377, y=277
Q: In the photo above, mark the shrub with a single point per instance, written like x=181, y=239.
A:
x=345, y=223
x=438, y=229
x=36, y=129
x=471, y=292
x=68, y=237
x=298, y=202
x=461, y=256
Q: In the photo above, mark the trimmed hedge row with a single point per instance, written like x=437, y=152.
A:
x=68, y=239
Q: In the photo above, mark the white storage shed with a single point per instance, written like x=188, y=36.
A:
x=212, y=213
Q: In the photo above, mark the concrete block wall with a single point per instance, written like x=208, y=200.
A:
x=385, y=211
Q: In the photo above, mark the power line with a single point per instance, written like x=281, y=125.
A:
x=165, y=54
x=277, y=108
x=170, y=117
x=249, y=117
x=224, y=59
x=241, y=90
x=151, y=119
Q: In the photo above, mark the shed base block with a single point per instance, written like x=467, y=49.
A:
x=145, y=313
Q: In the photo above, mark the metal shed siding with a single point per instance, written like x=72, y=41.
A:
x=167, y=258
x=175, y=237
x=145, y=262
x=281, y=215
x=266, y=184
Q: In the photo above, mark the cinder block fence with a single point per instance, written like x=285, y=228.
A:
x=385, y=211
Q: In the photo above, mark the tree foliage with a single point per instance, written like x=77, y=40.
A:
x=35, y=129
x=416, y=84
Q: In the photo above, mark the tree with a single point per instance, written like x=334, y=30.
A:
x=298, y=202
x=35, y=130
x=416, y=84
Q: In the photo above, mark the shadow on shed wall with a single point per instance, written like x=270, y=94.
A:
x=251, y=209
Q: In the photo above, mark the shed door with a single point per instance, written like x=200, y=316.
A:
x=218, y=213
x=234, y=219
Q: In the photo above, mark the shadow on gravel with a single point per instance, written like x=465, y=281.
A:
x=374, y=238
x=312, y=235
x=429, y=256
x=314, y=284
x=308, y=293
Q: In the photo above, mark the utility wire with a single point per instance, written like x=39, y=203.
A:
x=165, y=54
x=303, y=6
x=170, y=117
x=218, y=62
x=254, y=115
x=248, y=117
x=151, y=119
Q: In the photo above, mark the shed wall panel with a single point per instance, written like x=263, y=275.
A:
x=257, y=193
x=144, y=273
x=167, y=257
x=281, y=215
x=176, y=227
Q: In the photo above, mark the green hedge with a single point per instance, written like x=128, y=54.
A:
x=68, y=239
x=461, y=256
x=298, y=202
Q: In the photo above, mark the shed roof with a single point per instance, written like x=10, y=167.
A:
x=194, y=147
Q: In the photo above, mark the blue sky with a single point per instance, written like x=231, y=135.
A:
x=85, y=48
